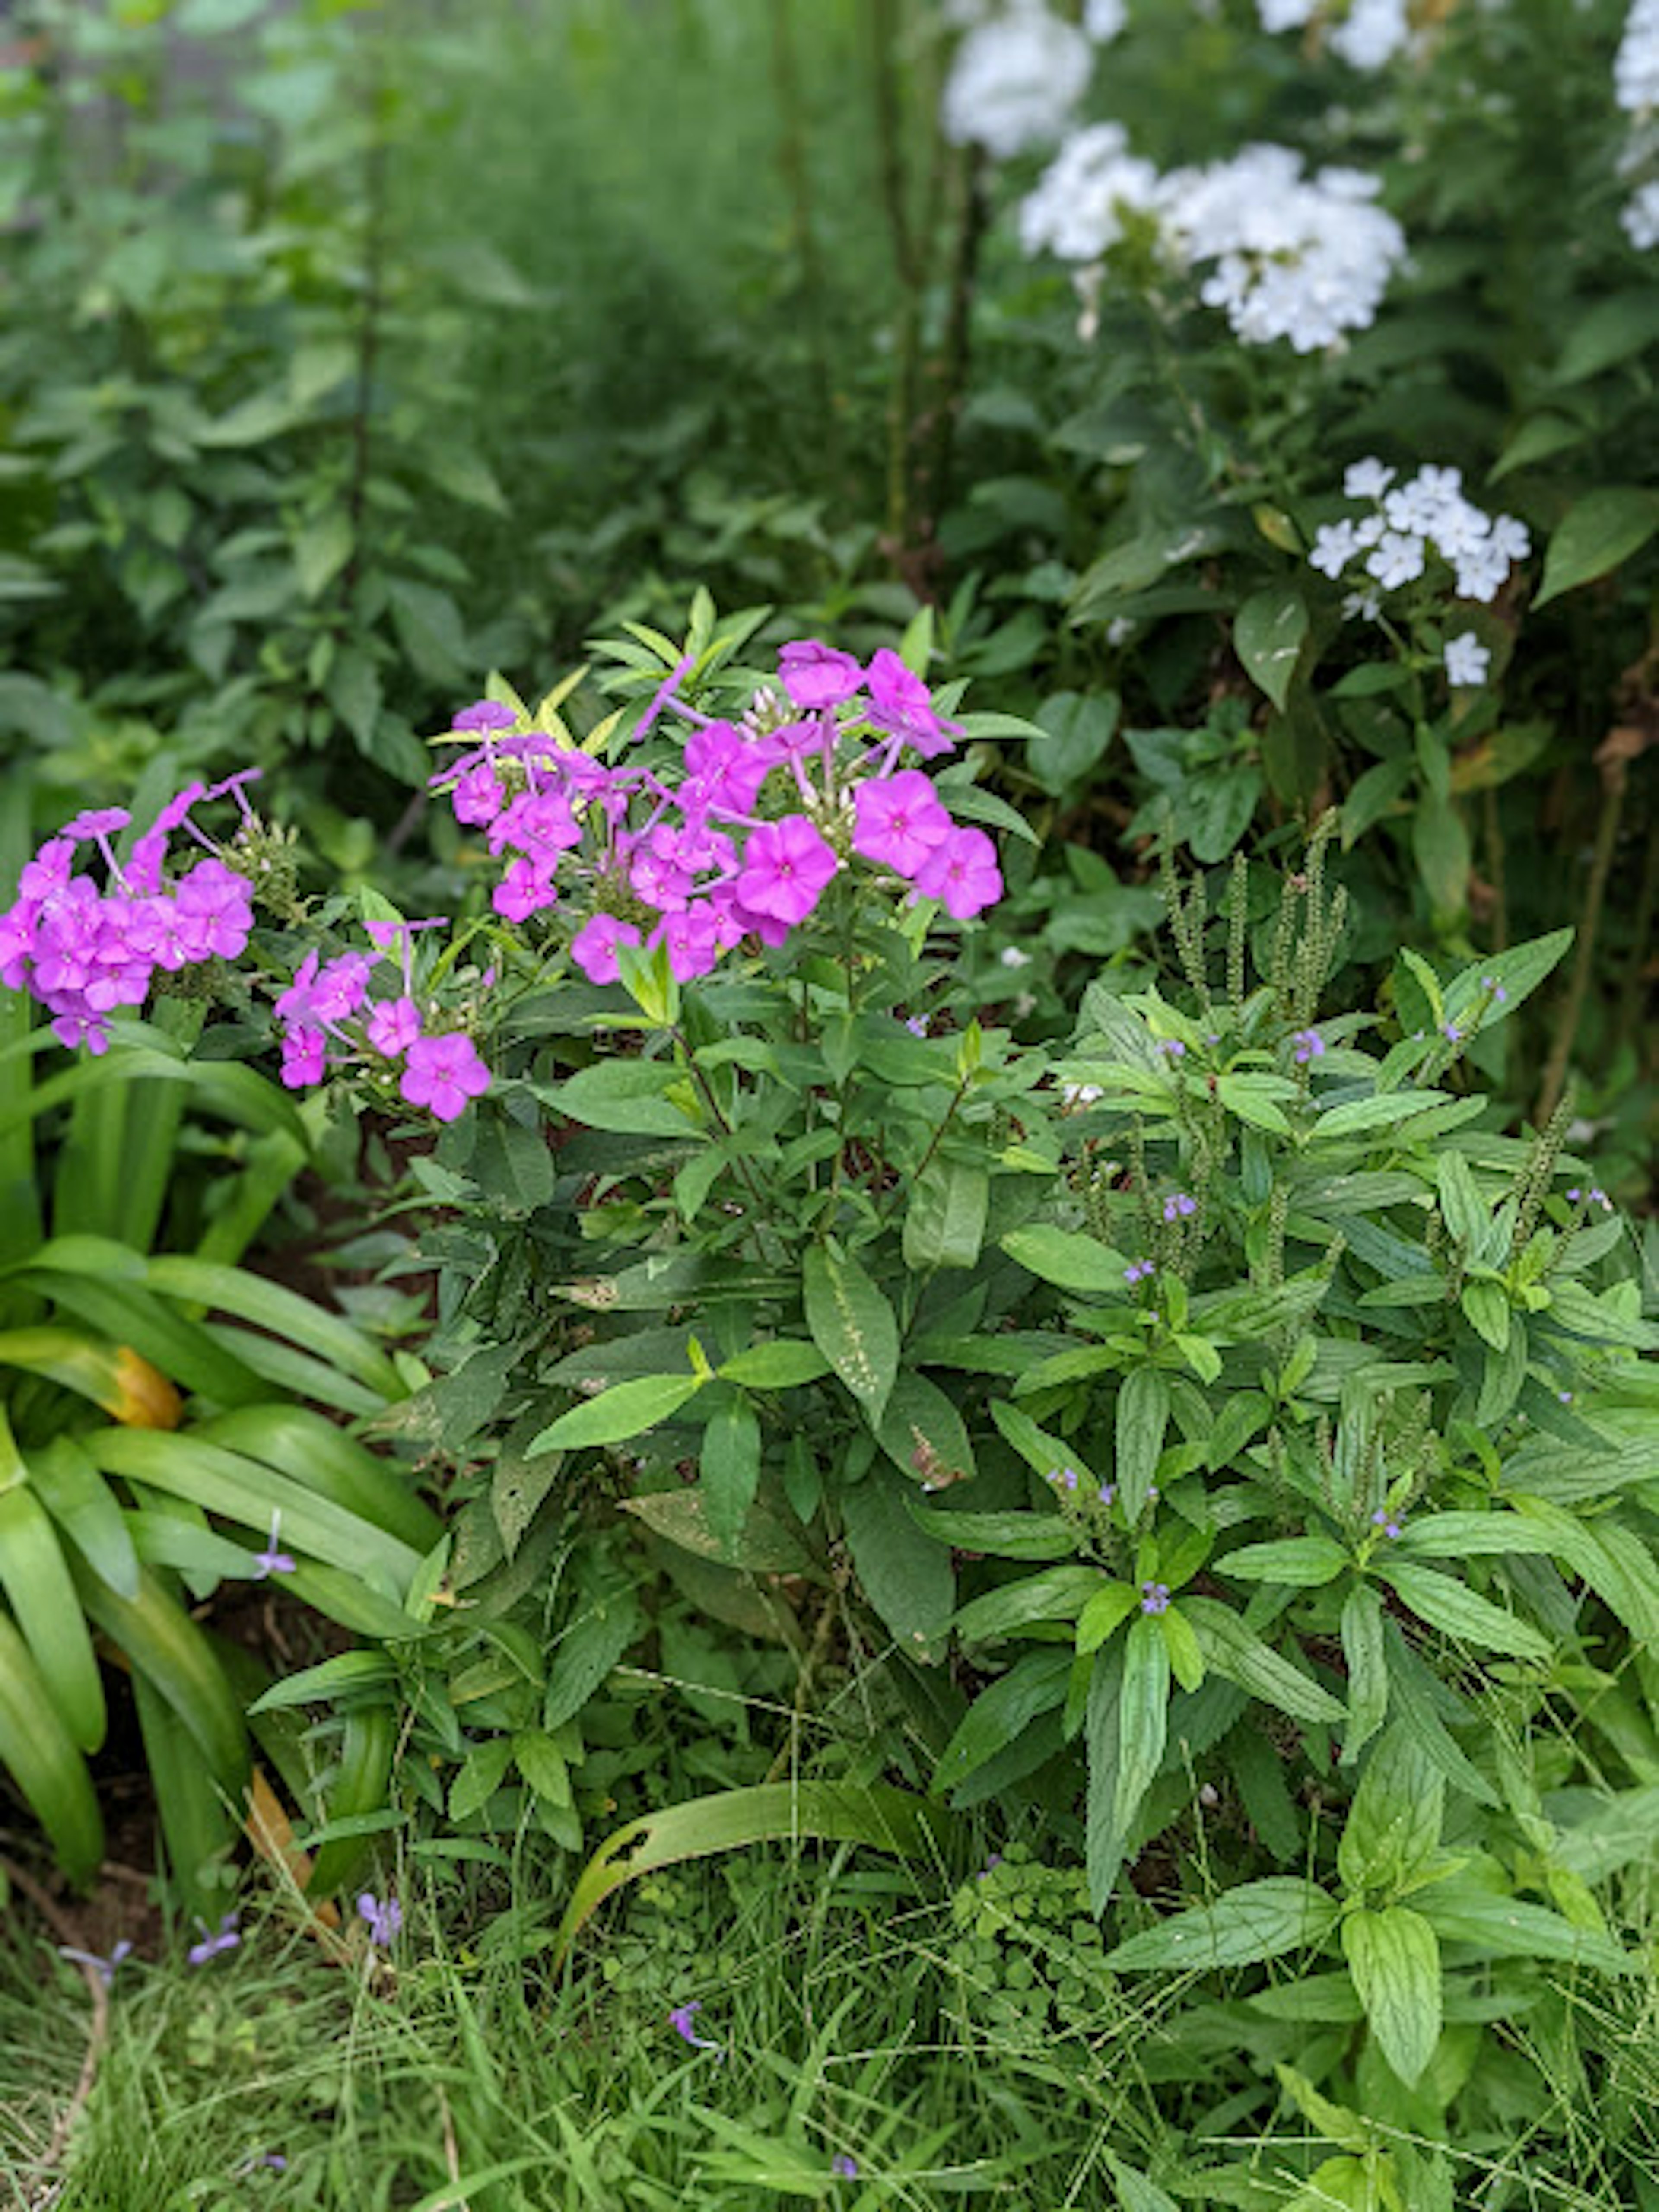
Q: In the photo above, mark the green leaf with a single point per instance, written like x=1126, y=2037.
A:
x=853, y=1325
x=1035, y=1684
x=1596, y=533
x=1301, y=1562
x=1357, y=1116
x=626, y=1097
x=944, y=1221
x=481, y=1774
x=1462, y=1912
x=1061, y=1593
x=321, y=550
x=1143, y=1717
x=1486, y=1309
x=1104, y=1842
x=1239, y=1656
x=1393, y=1823
x=1608, y=331
x=783, y=1364
x=584, y=1655
x=1104, y=1615
x=770, y=1542
x=731, y=1464
x=627, y=1410
x=1142, y=1413
x=905, y=1575
x=1257, y=1920
x=1448, y=1604
x=1368, y=1674
x=1440, y=846
x=1136, y=2193
x=1268, y=632
x=1517, y=973
x=924, y=1435
x=998, y=1536
x=1044, y=1455
x=1062, y=1257
x=884, y=1819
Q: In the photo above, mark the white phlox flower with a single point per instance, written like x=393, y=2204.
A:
x=1015, y=80
x=1427, y=513
x=1635, y=69
x=1467, y=660
x=1077, y=210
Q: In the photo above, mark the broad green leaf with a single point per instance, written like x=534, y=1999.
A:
x=944, y=1221
x=1142, y=1413
x=1063, y=1257
x=593, y=1644
x=1357, y=1116
x=1104, y=1842
x=1440, y=846
x=853, y=1325
x=1143, y=1717
x=1136, y=2192
x=1462, y=1536
x=1368, y=1676
x=1043, y=1453
x=1185, y=1658
x=480, y=1776
x=1301, y=1562
x=770, y=1541
x=884, y=1819
x=1268, y=631
x=1393, y=1823
x=1449, y=1605
x=627, y=1098
x=922, y=1432
x=1517, y=973
x=1104, y=1615
x=1596, y=533
x=1462, y=1912
x=730, y=1464
x=1395, y=1959
x=998, y=1536
x=1238, y=1655
x=1035, y=1684
x=1257, y=1920
x=1414, y=1688
x=784, y=1364
x=626, y=1410
x=905, y=1575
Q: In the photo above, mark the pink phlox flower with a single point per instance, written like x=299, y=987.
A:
x=961, y=874
x=658, y=870
x=536, y=821
x=296, y=1001
x=692, y=937
x=785, y=867
x=77, y=1029
x=484, y=715
x=341, y=987
x=392, y=1026
x=594, y=948
x=525, y=888
x=442, y=1074
x=900, y=820
x=816, y=675
x=149, y=855
x=478, y=796
x=731, y=924
x=16, y=945
x=224, y=902
x=97, y=822
x=724, y=770
x=902, y=704
x=304, y=1056
x=48, y=871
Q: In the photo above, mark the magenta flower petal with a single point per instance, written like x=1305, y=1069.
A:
x=442, y=1074
x=785, y=867
x=900, y=820
x=816, y=675
x=961, y=874
x=594, y=948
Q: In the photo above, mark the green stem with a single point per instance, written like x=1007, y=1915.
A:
x=1614, y=780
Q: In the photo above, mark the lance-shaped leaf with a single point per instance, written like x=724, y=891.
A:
x=1257, y=1920
x=853, y=1325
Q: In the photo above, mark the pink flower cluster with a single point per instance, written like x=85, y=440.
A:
x=743, y=839
x=328, y=1003
x=83, y=951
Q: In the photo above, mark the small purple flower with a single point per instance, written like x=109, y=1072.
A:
x=1107, y=1492
x=1155, y=1597
x=1600, y=1198
x=995, y=1860
x=1140, y=1271
x=1172, y=1048
x=917, y=1025
x=385, y=1920
x=211, y=1945
x=104, y=1968
x=270, y=1561
x=392, y=1026
x=1566, y=1397
x=1310, y=1045
x=1384, y=1519
x=844, y=2168
x=1180, y=1206
x=1452, y=1034
x=680, y=2020
x=816, y=675
x=272, y=2158
x=1574, y=1195
x=1499, y=995
x=901, y=704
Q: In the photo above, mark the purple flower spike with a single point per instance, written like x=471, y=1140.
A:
x=1310, y=1045
x=1385, y=1521
x=385, y=1920
x=1180, y=1206
x=844, y=2168
x=1155, y=1597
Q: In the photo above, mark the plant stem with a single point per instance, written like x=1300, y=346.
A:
x=1615, y=778
x=1495, y=868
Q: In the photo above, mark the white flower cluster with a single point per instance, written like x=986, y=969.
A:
x=1017, y=76
x=1369, y=34
x=1076, y=210
x=1635, y=70
x=1306, y=258
x=1391, y=544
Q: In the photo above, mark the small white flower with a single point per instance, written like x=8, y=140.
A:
x=1397, y=560
x=1334, y=545
x=1635, y=70
x=1372, y=33
x=1364, y=605
x=1103, y=19
x=1641, y=217
x=1080, y=1093
x=1366, y=479
x=1011, y=956
x=1467, y=660
x=1015, y=80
